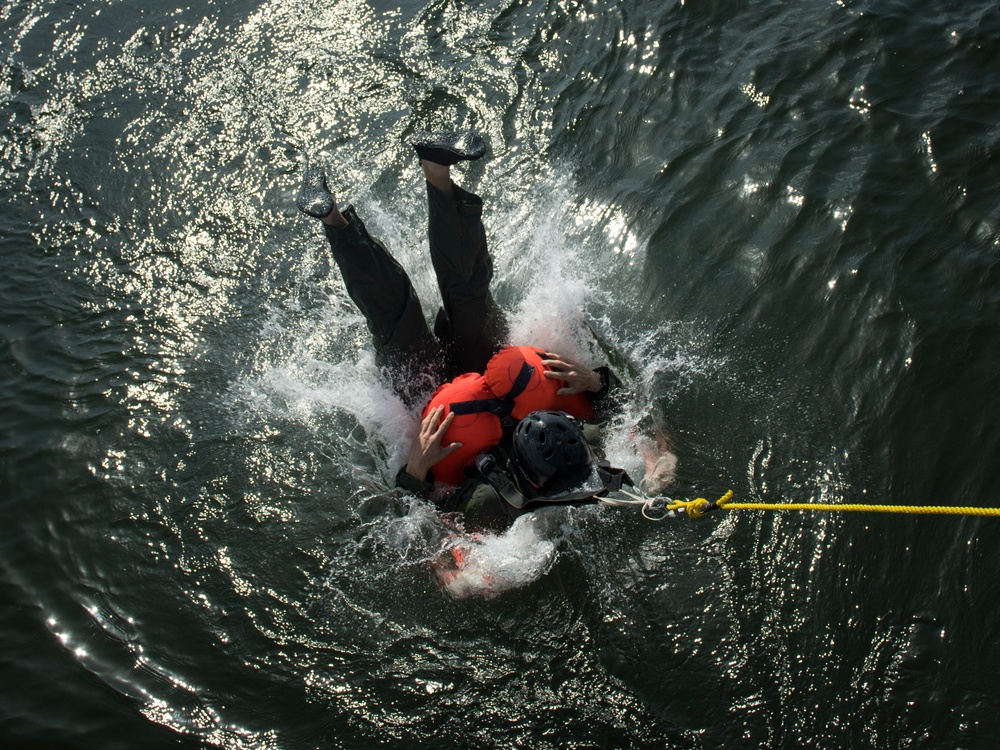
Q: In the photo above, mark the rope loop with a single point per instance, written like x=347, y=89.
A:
x=655, y=509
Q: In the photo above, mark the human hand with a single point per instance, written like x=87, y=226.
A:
x=427, y=449
x=576, y=377
x=660, y=462
x=660, y=474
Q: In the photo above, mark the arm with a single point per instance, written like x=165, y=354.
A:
x=601, y=384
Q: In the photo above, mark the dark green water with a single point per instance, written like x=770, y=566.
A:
x=784, y=216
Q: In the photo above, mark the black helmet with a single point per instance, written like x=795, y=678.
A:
x=551, y=451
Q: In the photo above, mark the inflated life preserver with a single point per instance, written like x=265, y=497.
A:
x=540, y=393
x=513, y=387
x=475, y=430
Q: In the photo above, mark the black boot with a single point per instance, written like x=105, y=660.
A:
x=446, y=148
x=315, y=198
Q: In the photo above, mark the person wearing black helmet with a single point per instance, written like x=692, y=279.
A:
x=547, y=457
x=551, y=451
x=550, y=459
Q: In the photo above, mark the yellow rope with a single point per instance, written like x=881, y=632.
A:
x=950, y=510
x=695, y=508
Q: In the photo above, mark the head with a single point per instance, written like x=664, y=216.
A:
x=551, y=451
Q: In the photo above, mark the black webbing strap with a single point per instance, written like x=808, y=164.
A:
x=611, y=479
x=490, y=470
x=501, y=407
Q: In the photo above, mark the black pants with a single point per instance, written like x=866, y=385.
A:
x=470, y=327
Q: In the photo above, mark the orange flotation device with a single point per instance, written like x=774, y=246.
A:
x=540, y=393
x=513, y=386
x=475, y=430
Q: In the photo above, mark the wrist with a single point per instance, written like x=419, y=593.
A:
x=604, y=380
x=596, y=382
x=416, y=471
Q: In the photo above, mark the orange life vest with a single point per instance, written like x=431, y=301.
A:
x=540, y=393
x=513, y=386
x=475, y=430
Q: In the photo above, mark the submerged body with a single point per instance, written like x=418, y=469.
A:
x=482, y=496
x=502, y=389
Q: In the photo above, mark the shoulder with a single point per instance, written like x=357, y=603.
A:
x=592, y=432
x=473, y=491
x=482, y=506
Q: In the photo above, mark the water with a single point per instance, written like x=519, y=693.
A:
x=782, y=222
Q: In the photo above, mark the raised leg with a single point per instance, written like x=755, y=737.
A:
x=378, y=285
x=473, y=327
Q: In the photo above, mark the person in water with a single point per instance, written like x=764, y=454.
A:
x=531, y=458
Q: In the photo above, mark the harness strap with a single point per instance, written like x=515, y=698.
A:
x=500, y=482
x=501, y=407
x=611, y=479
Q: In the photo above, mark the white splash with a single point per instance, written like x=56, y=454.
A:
x=487, y=565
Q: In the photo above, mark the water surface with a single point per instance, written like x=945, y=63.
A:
x=781, y=221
